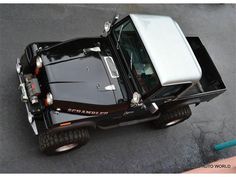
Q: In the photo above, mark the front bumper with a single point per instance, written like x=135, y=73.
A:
x=24, y=96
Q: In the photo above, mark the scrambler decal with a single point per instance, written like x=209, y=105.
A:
x=87, y=112
x=88, y=109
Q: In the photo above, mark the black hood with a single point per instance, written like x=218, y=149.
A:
x=77, y=77
x=80, y=80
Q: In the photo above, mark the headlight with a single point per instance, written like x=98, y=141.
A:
x=49, y=99
x=39, y=62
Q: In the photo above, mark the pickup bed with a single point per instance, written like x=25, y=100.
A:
x=211, y=84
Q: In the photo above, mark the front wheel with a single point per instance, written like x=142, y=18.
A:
x=55, y=143
x=174, y=117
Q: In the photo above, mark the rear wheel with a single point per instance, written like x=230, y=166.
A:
x=55, y=143
x=174, y=117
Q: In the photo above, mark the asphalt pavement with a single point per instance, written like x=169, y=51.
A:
x=136, y=148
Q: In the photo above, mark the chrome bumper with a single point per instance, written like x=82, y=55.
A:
x=24, y=97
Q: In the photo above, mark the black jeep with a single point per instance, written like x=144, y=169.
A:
x=141, y=69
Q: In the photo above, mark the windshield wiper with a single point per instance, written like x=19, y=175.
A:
x=117, y=44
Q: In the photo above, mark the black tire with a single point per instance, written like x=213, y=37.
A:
x=174, y=117
x=53, y=143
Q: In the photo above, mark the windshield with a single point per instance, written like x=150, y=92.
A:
x=136, y=56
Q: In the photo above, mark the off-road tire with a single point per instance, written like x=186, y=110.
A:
x=50, y=142
x=174, y=117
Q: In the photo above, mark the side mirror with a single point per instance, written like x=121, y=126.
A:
x=116, y=17
x=108, y=24
x=136, y=100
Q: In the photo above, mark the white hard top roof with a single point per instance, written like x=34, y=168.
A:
x=168, y=49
